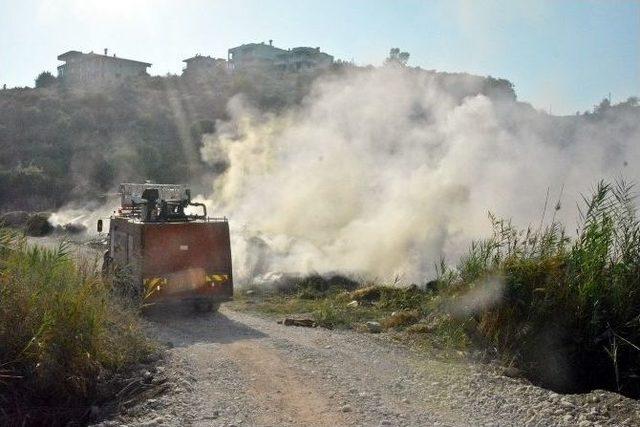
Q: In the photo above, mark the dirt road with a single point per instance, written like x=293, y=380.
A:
x=234, y=368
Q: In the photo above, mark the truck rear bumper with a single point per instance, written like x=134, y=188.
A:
x=186, y=299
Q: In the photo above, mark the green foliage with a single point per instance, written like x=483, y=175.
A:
x=566, y=304
x=67, y=143
x=61, y=330
x=396, y=57
x=45, y=79
x=331, y=301
x=84, y=141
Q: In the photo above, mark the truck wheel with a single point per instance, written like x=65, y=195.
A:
x=205, y=306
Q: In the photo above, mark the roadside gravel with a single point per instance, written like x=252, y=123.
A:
x=233, y=368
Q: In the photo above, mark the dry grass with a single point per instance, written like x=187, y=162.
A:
x=61, y=331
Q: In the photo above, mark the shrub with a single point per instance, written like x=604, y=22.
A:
x=45, y=79
x=568, y=312
x=38, y=225
x=61, y=331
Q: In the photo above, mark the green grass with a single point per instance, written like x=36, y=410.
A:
x=338, y=303
x=62, y=332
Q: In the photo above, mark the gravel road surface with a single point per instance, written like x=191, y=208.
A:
x=232, y=368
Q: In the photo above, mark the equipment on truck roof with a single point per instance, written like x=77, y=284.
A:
x=157, y=202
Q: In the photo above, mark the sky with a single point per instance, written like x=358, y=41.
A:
x=562, y=56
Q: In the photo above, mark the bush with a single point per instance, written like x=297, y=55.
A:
x=61, y=333
x=567, y=312
x=45, y=79
x=38, y=225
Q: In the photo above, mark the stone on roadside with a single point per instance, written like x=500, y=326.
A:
x=512, y=372
x=307, y=323
x=374, y=327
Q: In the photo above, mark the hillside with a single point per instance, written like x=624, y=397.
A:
x=59, y=143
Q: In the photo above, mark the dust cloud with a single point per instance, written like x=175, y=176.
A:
x=382, y=172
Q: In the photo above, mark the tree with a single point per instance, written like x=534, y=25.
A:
x=605, y=105
x=45, y=79
x=397, y=57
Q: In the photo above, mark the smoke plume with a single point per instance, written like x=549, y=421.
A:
x=382, y=172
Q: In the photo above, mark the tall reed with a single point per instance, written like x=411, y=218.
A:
x=569, y=309
x=62, y=330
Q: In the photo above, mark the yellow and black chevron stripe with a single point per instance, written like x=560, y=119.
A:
x=154, y=282
x=217, y=278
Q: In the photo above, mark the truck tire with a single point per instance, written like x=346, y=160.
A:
x=205, y=306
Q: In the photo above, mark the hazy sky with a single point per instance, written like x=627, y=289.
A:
x=566, y=55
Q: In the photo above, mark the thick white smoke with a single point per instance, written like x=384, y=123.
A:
x=382, y=172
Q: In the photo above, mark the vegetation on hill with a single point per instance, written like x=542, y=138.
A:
x=63, y=335
x=564, y=311
x=59, y=143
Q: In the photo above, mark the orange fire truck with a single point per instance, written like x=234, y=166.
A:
x=169, y=255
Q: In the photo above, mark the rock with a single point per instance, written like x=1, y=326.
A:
x=405, y=400
x=512, y=372
x=566, y=403
x=158, y=421
x=154, y=404
x=306, y=322
x=346, y=408
x=374, y=327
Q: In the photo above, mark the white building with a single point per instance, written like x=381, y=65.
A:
x=261, y=54
x=94, y=68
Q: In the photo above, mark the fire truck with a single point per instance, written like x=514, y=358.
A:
x=169, y=252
